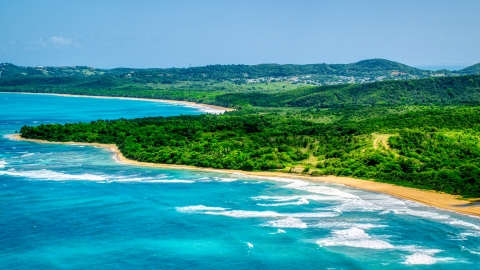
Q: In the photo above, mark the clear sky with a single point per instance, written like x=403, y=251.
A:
x=178, y=33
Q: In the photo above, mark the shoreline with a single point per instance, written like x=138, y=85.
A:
x=427, y=197
x=186, y=103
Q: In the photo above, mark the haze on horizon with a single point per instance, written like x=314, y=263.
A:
x=142, y=34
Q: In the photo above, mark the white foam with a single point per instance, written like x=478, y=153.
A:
x=318, y=189
x=52, y=175
x=307, y=186
x=419, y=258
x=471, y=234
x=471, y=251
x=287, y=223
x=300, y=201
x=250, y=245
x=339, y=225
x=3, y=163
x=245, y=214
x=196, y=208
x=419, y=250
x=425, y=214
x=290, y=200
x=314, y=214
x=226, y=180
x=27, y=155
x=280, y=231
x=203, y=179
x=173, y=181
x=463, y=223
x=353, y=237
x=356, y=205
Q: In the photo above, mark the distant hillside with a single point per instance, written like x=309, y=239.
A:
x=366, y=70
x=474, y=69
x=439, y=91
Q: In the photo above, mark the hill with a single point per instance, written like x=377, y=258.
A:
x=317, y=74
x=473, y=69
x=439, y=91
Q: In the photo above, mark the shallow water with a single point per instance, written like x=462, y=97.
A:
x=71, y=206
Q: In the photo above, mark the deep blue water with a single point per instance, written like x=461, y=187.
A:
x=75, y=207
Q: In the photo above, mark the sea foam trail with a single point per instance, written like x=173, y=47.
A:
x=418, y=258
x=289, y=222
x=196, y=208
x=331, y=224
x=422, y=256
x=353, y=237
x=59, y=176
x=290, y=200
x=245, y=214
x=52, y=175
x=219, y=211
x=3, y=163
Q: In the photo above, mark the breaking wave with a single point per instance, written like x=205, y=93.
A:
x=353, y=237
x=52, y=175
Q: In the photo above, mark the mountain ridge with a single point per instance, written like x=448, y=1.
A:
x=374, y=66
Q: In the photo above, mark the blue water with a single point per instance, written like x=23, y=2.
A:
x=75, y=207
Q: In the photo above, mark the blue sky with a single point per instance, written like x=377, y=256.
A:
x=178, y=33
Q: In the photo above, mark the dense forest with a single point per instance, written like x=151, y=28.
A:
x=427, y=147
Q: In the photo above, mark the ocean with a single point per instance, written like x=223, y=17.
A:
x=75, y=207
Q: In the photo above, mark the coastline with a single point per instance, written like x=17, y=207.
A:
x=427, y=197
x=213, y=108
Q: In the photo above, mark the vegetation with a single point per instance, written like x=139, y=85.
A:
x=428, y=147
x=205, y=84
x=439, y=91
x=423, y=133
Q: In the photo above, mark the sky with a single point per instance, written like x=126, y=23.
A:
x=180, y=33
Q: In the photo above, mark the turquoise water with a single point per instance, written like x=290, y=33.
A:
x=75, y=207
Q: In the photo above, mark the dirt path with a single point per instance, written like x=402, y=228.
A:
x=381, y=139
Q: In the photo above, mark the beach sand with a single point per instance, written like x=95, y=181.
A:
x=431, y=198
x=215, y=109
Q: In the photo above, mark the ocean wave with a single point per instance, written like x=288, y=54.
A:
x=419, y=258
x=219, y=211
x=169, y=181
x=417, y=213
x=45, y=174
x=3, y=163
x=148, y=180
x=27, y=155
x=471, y=251
x=52, y=175
x=416, y=249
x=339, y=224
x=245, y=214
x=289, y=200
x=356, y=205
x=288, y=222
x=463, y=223
x=470, y=234
x=299, y=202
x=313, y=214
x=353, y=237
x=318, y=189
x=196, y=208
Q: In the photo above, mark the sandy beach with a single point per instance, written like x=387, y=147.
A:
x=204, y=107
x=431, y=198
